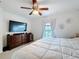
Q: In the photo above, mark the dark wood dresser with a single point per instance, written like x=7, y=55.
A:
x=18, y=39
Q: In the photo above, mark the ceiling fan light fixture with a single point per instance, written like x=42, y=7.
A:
x=35, y=12
x=35, y=8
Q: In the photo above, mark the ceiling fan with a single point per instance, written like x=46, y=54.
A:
x=35, y=8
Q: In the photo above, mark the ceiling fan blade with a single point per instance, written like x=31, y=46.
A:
x=26, y=8
x=43, y=8
x=40, y=13
x=34, y=1
x=30, y=13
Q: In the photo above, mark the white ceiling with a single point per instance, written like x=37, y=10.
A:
x=55, y=6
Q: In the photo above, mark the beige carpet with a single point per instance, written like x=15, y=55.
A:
x=7, y=54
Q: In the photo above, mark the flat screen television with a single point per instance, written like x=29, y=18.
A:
x=15, y=26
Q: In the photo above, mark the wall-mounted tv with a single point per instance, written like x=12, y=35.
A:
x=15, y=26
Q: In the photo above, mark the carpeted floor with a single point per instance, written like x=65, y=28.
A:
x=8, y=54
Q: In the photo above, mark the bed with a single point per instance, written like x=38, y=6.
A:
x=54, y=48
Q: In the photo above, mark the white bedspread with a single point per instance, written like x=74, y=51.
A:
x=55, y=48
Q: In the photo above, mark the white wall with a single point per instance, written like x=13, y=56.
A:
x=1, y=23
x=69, y=30
x=9, y=16
x=37, y=25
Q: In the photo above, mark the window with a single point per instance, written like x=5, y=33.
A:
x=47, y=31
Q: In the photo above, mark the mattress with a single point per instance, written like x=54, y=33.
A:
x=54, y=48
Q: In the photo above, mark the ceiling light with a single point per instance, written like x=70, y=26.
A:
x=35, y=12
